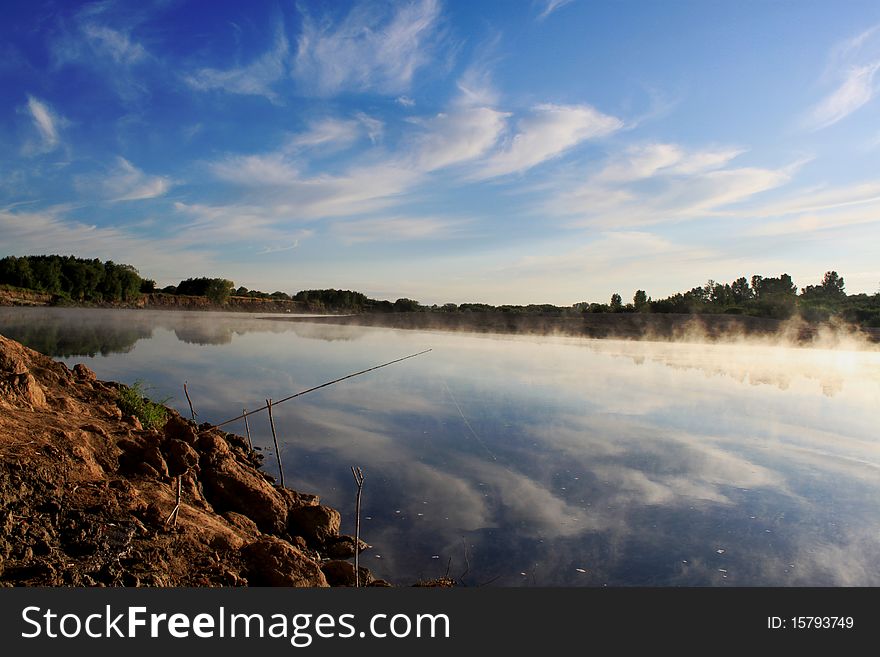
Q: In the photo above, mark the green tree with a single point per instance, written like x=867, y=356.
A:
x=616, y=303
x=640, y=300
x=219, y=290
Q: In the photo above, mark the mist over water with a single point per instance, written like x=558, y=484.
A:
x=530, y=460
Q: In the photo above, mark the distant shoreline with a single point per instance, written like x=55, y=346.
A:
x=696, y=327
x=627, y=326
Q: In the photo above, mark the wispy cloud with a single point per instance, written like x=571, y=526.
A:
x=396, y=229
x=547, y=133
x=405, y=101
x=118, y=45
x=125, y=182
x=287, y=244
x=806, y=211
x=549, y=6
x=253, y=79
x=856, y=90
x=47, y=124
x=460, y=135
x=853, y=68
x=369, y=50
x=333, y=133
x=109, y=50
x=50, y=231
x=663, y=183
x=645, y=161
x=277, y=193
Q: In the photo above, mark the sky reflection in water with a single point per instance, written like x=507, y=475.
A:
x=539, y=461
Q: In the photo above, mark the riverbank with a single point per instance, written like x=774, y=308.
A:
x=10, y=296
x=87, y=495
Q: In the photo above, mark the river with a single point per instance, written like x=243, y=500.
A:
x=531, y=460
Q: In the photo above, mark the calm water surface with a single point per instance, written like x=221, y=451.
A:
x=523, y=461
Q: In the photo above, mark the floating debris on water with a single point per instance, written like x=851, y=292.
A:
x=720, y=550
x=580, y=570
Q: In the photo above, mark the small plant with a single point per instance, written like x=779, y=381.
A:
x=133, y=401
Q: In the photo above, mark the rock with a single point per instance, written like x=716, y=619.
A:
x=273, y=562
x=341, y=573
x=28, y=390
x=299, y=542
x=211, y=443
x=296, y=499
x=242, y=522
x=134, y=422
x=229, y=486
x=317, y=524
x=180, y=457
x=343, y=547
x=83, y=373
x=153, y=457
x=176, y=428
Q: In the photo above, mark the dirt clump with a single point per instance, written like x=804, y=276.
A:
x=86, y=495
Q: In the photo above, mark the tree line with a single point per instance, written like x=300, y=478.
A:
x=75, y=279
x=774, y=297
x=83, y=280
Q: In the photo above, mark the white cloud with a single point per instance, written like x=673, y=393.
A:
x=118, y=45
x=852, y=68
x=51, y=232
x=395, y=229
x=405, y=101
x=256, y=170
x=663, y=183
x=128, y=183
x=112, y=53
x=811, y=222
x=820, y=199
x=47, y=123
x=368, y=50
x=461, y=135
x=332, y=133
x=254, y=79
x=550, y=6
x=278, y=193
x=547, y=133
x=640, y=162
x=856, y=90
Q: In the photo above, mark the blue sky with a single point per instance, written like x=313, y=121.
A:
x=544, y=151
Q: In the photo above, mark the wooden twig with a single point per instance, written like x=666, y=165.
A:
x=359, y=482
x=467, y=563
x=275, y=440
x=191, y=411
x=247, y=430
x=172, y=517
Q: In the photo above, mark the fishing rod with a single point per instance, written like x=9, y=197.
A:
x=323, y=385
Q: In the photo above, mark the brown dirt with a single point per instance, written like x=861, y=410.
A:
x=85, y=495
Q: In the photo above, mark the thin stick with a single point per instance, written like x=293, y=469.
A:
x=359, y=482
x=467, y=563
x=275, y=439
x=247, y=430
x=323, y=385
x=191, y=411
x=172, y=517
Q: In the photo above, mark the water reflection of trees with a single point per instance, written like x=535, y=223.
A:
x=68, y=332
x=54, y=336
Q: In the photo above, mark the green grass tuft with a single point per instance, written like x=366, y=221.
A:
x=133, y=401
